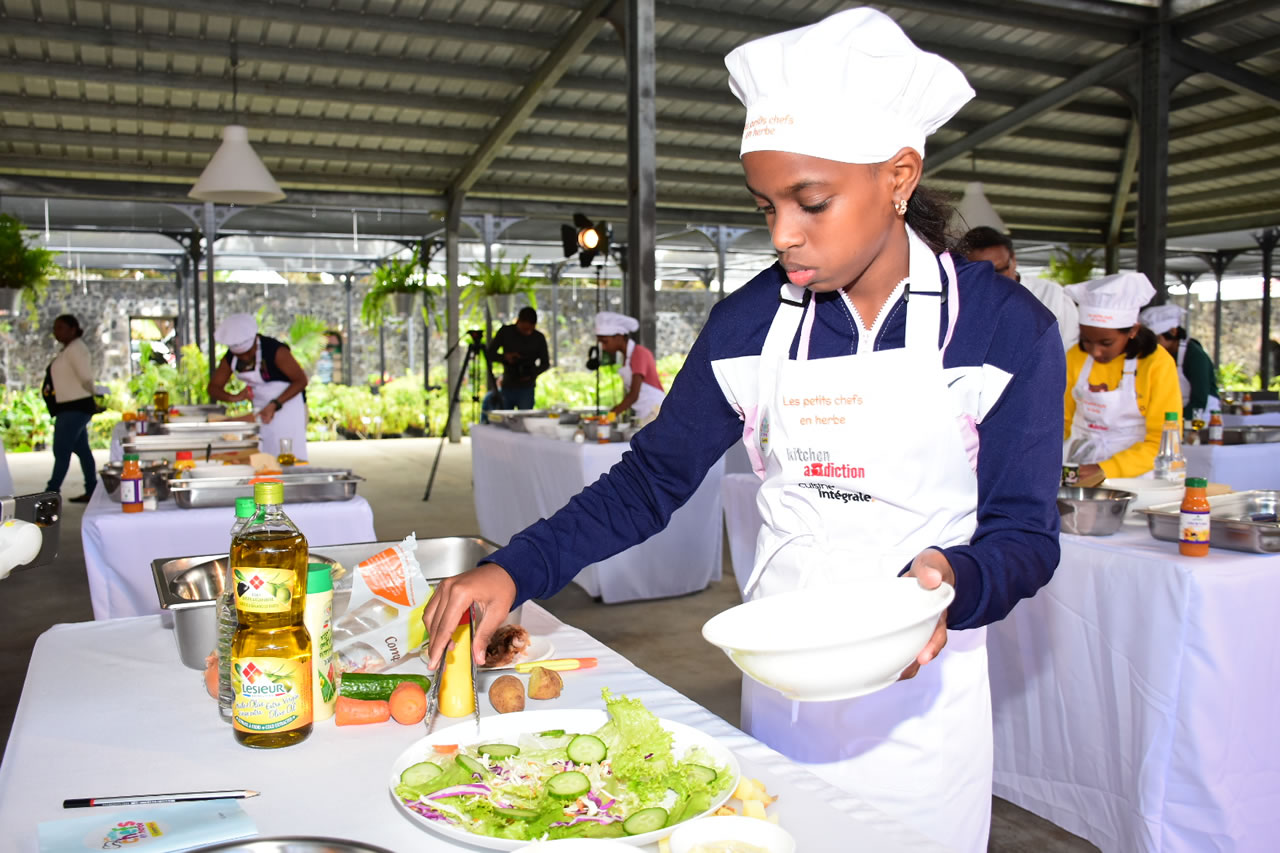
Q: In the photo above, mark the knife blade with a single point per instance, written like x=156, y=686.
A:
x=433, y=698
x=475, y=703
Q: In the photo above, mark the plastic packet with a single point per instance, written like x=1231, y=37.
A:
x=377, y=608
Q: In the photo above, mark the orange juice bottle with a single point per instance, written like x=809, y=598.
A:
x=131, y=484
x=1215, y=427
x=1246, y=408
x=1193, y=523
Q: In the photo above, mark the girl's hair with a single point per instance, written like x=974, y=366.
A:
x=70, y=320
x=1142, y=345
x=928, y=213
x=1177, y=333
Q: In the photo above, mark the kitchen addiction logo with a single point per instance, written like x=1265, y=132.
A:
x=818, y=464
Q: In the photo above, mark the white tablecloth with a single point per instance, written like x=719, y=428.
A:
x=1134, y=697
x=1266, y=419
x=119, y=548
x=6, y=479
x=520, y=478
x=108, y=709
x=1240, y=466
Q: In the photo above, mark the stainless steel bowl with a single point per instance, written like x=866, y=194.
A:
x=299, y=844
x=155, y=479
x=1092, y=512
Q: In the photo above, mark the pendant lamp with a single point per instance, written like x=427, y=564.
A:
x=235, y=174
x=974, y=210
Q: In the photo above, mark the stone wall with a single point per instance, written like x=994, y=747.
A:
x=1241, y=329
x=104, y=308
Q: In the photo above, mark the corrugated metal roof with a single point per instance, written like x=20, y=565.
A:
x=357, y=99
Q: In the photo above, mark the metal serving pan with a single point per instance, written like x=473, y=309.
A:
x=206, y=430
x=1253, y=434
x=514, y=418
x=306, y=485
x=189, y=586
x=1240, y=521
x=151, y=446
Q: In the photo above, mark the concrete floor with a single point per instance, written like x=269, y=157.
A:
x=661, y=637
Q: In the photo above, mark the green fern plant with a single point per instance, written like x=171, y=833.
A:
x=1071, y=265
x=23, y=267
x=394, y=275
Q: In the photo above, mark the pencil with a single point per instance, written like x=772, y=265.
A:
x=149, y=799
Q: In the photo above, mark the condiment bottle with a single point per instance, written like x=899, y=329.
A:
x=161, y=402
x=457, y=693
x=131, y=484
x=318, y=616
x=1170, y=464
x=1246, y=408
x=1215, y=427
x=1193, y=519
x=184, y=462
x=226, y=614
x=271, y=651
x=286, y=457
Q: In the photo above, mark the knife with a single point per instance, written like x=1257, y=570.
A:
x=475, y=703
x=433, y=697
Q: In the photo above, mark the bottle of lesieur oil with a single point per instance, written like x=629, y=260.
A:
x=271, y=652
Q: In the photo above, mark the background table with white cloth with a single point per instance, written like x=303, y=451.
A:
x=6, y=479
x=1265, y=419
x=1134, y=697
x=108, y=709
x=1240, y=466
x=520, y=478
x=119, y=546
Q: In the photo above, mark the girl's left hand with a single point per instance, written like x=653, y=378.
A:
x=930, y=569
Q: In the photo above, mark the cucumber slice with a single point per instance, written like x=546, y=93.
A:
x=586, y=749
x=552, y=733
x=645, y=820
x=420, y=774
x=499, y=750
x=517, y=814
x=472, y=766
x=569, y=785
x=701, y=774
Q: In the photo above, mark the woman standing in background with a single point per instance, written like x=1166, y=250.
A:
x=68, y=392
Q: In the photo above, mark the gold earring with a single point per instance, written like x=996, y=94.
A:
x=901, y=206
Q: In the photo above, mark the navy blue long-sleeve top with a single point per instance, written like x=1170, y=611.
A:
x=1005, y=366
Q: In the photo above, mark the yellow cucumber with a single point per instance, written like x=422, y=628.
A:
x=457, y=698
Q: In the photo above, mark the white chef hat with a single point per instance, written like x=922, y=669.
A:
x=1162, y=318
x=850, y=88
x=237, y=332
x=612, y=323
x=1111, y=302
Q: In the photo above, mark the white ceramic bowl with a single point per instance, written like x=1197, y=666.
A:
x=1146, y=492
x=832, y=642
x=578, y=845
x=751, y=830
x=565, y=432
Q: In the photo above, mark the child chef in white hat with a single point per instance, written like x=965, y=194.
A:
x=901, y=409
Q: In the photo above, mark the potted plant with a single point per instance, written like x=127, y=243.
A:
x=392, y=277
x=23, y=268
x=1071, y=265
x=497, y=281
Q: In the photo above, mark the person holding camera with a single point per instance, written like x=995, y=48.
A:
x=522, y=350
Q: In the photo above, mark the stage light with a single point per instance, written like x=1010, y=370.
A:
x=585, y=238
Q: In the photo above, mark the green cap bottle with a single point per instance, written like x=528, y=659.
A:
x=1197, y=483
x=319, y=578
x=269, y=493
x=131, y=457
x=245, y=507
x=1170, y=416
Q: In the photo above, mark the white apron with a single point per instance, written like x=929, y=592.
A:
x=1211, y=404
x=919, y=750
x=646, y=405
x=289, y=422
x=1105, y=422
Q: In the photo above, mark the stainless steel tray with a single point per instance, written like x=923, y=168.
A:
x=206, y=430
x=150, y=446
x=514, y=418
x=1253, y=434
x=1240, y=521
x=308, y=485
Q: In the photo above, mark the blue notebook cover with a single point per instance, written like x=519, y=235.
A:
x=161, y=828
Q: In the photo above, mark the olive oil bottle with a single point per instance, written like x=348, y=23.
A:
x=271, y=651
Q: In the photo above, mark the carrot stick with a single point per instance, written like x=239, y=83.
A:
x=359, y=712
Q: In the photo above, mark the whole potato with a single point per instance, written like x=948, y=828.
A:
x=506, y=694
x=544, y=683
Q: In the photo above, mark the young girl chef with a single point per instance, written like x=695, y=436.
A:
x=861, y=364
x=273, y=380
x=638, y=370
x=1120, y=382
x=1197, y=378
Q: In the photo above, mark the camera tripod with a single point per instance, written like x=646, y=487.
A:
x=475, y=346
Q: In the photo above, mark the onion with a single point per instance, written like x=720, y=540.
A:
x=461, y=791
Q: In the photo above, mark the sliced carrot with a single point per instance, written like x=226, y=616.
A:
x=445, y=748
x=359, y=712
x=408, y=703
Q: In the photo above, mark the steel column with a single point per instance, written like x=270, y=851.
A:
x=179, y=327
x=1156, y=84
x=1218, y=262
x=1267, y=242
x=349, y=329
x=210, y=234
x=194, y=253
x=642, y=189
x=452, y=224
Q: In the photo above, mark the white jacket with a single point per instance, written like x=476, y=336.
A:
x=72, y=373
x=1055, y=298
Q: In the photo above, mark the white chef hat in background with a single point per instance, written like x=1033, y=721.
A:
x=613, y=323
x=1162, y=318
x=851, y=88
x=1111, y=302
x=237, y=332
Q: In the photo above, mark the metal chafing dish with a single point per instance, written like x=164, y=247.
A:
x=1252, y=434
x=205, y=430
x=155, y=479
x=152, y=446
x=1240, y=521
x=514, y=418
x=189, y=587
x=302, y=485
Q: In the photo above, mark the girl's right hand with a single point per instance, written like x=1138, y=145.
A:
x=490, y=588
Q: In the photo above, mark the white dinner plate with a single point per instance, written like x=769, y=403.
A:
x=540, y=648
x=508, y=727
